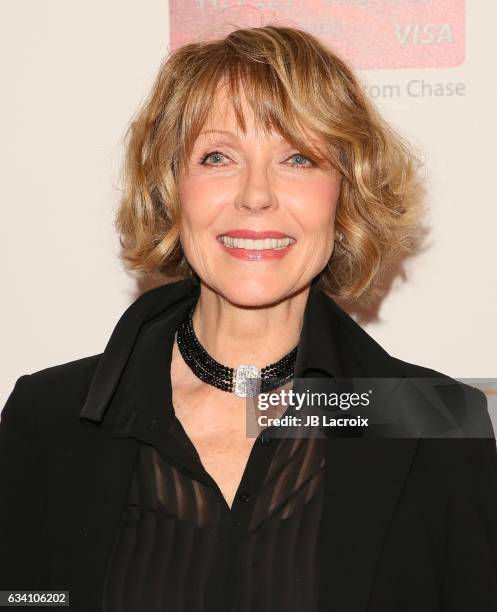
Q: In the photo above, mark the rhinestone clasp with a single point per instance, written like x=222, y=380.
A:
x=246, y=380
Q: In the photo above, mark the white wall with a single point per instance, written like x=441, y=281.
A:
x=73, y=74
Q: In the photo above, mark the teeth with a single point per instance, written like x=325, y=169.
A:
x=256, y=245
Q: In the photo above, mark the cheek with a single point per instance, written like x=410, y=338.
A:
x=319, y=207
x=198, y=201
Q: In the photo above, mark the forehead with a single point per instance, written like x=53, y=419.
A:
x=222, y=117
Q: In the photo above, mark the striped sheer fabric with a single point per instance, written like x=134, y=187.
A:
x=180, y=548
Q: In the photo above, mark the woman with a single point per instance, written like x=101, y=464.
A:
x=261, y=180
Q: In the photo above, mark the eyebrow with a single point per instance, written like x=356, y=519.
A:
x=219, y=131
x=228, y=133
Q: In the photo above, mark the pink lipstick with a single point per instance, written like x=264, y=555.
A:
x=252, y=245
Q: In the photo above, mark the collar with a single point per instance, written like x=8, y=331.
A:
x=331, y=343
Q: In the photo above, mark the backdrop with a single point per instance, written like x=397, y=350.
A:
x=73, y=74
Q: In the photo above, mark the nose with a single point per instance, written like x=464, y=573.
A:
x=255, y=193
x=255, y=206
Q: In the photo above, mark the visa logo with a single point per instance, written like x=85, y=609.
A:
x=424, y=34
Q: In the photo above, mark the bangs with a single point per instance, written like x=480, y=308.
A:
x=274, y=98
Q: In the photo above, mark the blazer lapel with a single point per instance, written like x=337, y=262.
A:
x=99, y=480
x=364, y=477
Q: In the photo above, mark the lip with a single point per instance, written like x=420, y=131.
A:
x=254, y=235
x=256, y=255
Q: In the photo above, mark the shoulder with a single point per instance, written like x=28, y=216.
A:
x=56, y=392
x=77, y=374
x=464, y=405
x=467, y=461
x=414, y=370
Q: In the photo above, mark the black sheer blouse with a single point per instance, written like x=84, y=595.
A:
x=179, y=546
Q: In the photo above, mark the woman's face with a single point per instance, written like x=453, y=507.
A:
x=254, y=183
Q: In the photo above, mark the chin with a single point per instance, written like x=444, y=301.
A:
x=254, y=293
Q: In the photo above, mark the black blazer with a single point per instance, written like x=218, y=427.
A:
x=410, y=523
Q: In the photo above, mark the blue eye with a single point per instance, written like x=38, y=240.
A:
x=211, y=154
x=311, y=163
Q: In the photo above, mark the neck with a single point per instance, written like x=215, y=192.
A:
x=235, y=335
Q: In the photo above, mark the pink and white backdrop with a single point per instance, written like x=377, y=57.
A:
x=74, y=72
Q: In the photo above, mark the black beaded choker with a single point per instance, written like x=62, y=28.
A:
x=246, y=380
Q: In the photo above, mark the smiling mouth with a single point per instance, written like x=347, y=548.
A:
x=262, y=244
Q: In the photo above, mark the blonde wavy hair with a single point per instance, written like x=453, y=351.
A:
x=291, y=81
